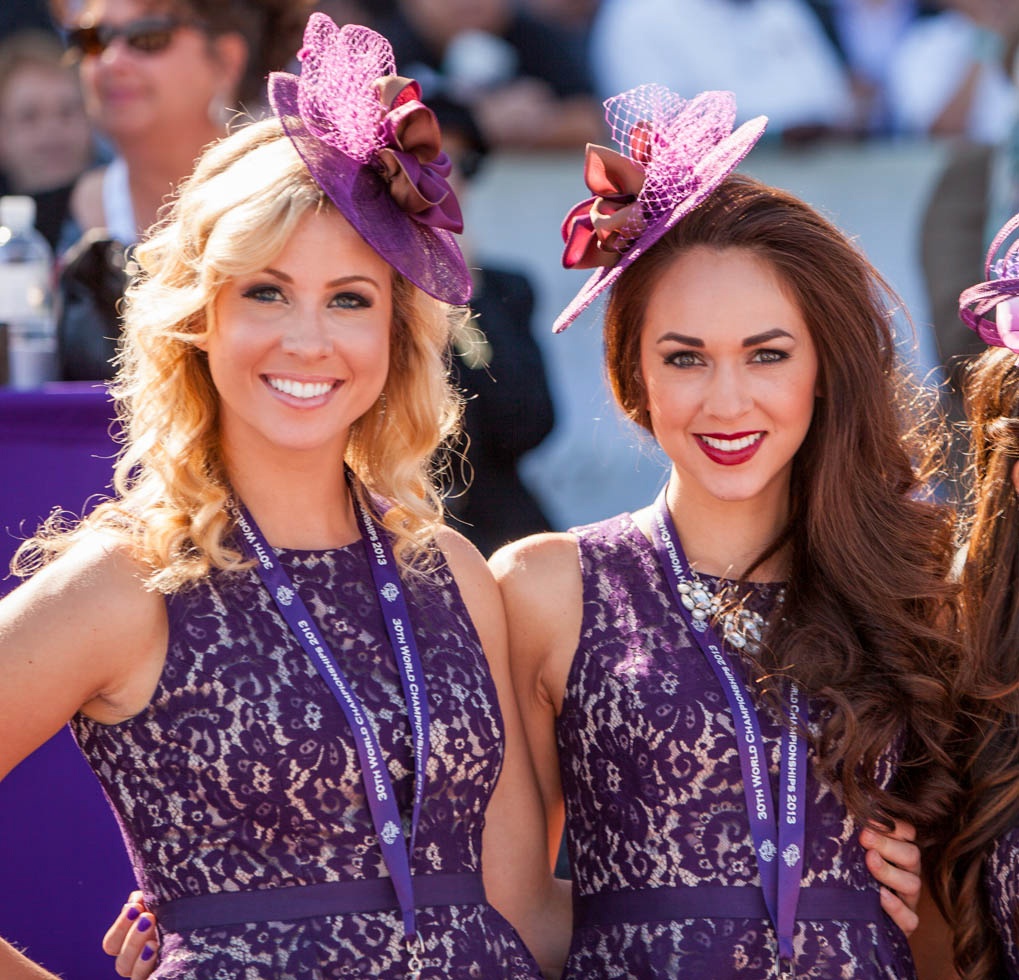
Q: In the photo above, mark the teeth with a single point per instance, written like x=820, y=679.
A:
x=300, y=389
x=732, y=445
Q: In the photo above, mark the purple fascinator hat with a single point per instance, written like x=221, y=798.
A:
x=999, y=292
x=374, y=148
x=673, y=153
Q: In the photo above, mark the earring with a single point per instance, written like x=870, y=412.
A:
x=219, y=111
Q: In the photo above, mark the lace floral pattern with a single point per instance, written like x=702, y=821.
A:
x=241, y=774
x=654, y=797
x=1002, y=887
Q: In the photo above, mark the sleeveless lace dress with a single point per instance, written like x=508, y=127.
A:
x=1002, y=886
x=654, y=795
x=242, y=774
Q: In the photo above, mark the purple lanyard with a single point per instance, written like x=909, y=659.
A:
x=378, y=786
x=779, y=880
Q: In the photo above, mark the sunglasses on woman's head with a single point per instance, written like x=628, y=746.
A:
x=149, y=35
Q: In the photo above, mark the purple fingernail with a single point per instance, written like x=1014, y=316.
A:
x=132, y=913
x=147, y=953
x=144, y=924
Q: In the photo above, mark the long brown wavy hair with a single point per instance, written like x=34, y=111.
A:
x=865, y=624
x=989, y=673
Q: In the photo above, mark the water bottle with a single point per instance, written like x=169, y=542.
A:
x=26, y=296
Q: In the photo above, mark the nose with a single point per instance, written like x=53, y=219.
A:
x=307, y=336
x=727, y=397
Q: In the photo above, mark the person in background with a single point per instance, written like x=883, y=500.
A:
x=953, y=81
x=26, y=15
x=161, y=81
x=290, y=678
x=574, y=17
x=46, y=141
x=498, y=365
x=728, y=691
x=867, y=34
x=974, y=872
x=772, y=54
x=952, y=76
x=517, y=75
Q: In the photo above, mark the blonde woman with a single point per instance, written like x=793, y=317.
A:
x=285, y=673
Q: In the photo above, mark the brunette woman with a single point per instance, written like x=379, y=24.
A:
x=726, y=689
x=975, y=877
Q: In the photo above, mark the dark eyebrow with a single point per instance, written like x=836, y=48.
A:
x=679, y=338
x=763, y=338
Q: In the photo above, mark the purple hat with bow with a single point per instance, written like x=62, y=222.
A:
x=999, y=293
x=374, y=148
x=674, y=153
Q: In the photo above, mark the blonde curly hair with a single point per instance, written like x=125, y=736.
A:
x=232, y=217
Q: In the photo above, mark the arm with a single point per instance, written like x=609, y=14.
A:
x=518, y=879
x=541, y=587
x=14, y=966
x=82, y=634
x=932, y=942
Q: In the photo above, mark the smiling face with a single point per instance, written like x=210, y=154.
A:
x=299, y=351
x=731, y=375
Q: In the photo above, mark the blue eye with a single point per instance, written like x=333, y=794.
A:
x=263, y=293
x=683, y=358
x=350, y=301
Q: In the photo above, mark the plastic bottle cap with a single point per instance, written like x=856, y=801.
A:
x=17, y=212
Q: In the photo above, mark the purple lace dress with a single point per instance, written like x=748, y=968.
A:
x=654, y=795
x=1002, y=886
x=241, y=774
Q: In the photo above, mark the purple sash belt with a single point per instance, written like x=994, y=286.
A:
x=819, y=902
x=310, y=901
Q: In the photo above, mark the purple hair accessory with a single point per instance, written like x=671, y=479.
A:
x=374, y=149
x=999, y=292
x=673, y=153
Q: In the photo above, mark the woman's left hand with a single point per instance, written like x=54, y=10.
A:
x=894, y=860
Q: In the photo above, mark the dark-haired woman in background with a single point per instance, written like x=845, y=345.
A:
x=162, y=79
x=975, y=877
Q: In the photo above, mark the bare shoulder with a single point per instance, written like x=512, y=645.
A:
x=83, y=634
x=477, y=588
x=99, y=568
x=539, y=568
x=543, y=592
x=463, y=558
x=91, y=601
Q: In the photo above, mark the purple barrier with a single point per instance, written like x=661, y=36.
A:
x=63, y=867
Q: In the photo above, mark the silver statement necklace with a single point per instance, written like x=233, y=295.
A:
x=740, y=627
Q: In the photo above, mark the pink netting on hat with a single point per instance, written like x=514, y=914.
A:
x=670, y=137
x=336, y=94
x=1000, y=292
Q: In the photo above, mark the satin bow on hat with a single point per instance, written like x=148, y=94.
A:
x=996, y=292
x=600, y=229
x=412, y=162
